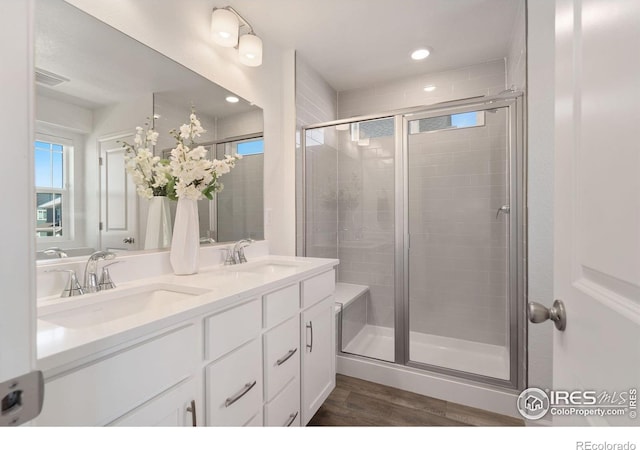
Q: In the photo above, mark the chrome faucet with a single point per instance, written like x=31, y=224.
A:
x=238, y=250
x=55, y=251
x=90, y=269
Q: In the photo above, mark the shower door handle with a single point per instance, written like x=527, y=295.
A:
x=505, y=209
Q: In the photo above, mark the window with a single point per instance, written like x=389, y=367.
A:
x=252, y=147
x=450, y=122
x=51, y=189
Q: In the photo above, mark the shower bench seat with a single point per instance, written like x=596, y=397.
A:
x=346, y=293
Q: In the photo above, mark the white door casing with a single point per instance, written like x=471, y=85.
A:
x=118, y=198
x=597, y=200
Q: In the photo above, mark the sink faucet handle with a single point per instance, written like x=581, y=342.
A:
x=241, y=258
x=72, y=288
x=105, y=279
x=229, y=259
x=55, y=251
x=238, y=250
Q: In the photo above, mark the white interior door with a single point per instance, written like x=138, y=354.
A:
x=118, y=198
x=17, y=260
x=597, y=203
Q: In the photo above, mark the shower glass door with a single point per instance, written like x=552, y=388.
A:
x=457, y=187
x=350, y=188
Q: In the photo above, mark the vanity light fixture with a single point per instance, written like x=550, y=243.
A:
x=420, y=53
x=232, y=99
x=226, y=27
x=429, y=88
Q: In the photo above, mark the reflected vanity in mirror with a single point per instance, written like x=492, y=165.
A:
x=94, y=86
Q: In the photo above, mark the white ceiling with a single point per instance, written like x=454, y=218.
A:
x=358, y=43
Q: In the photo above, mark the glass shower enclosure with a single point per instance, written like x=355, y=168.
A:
x=424, y=209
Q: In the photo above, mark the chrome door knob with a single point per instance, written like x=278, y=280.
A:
x=557, y=313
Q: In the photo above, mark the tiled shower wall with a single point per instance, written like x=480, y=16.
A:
x=366, y=219
x=458, y=275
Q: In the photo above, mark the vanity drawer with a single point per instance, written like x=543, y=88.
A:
x=232, y=328
x=234, y=386
x=280, y=305
x=105, y=390
x=255, y=421
x=284, y=410
x=317, y=288
x=281, y=355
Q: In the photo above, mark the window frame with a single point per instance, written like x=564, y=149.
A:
x=66, y=192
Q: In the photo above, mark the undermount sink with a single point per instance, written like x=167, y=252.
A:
x=267, y=267
x=105, y=307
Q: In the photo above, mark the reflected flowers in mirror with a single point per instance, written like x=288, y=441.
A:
x=194, y=176
x=150, y=173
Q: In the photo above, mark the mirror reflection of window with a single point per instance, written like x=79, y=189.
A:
x=52, y=209
x=239, y=210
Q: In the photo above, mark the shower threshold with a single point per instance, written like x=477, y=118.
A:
x=458, y=354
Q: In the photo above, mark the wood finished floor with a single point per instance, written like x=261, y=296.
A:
x=356, y=402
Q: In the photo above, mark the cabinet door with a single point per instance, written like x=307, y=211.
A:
x=178, y=407
x=318, y=356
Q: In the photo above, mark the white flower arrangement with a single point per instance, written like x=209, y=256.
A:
x=187, y=174
x=193, y=175
x=151, y=174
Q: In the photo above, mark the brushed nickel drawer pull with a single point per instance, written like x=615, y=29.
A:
x=310, y=327
x=192, y=410
x=292, y=418
x=286, y=357
x=231, y=400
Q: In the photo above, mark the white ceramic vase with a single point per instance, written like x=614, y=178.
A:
x=185, y=245
x=159, y=226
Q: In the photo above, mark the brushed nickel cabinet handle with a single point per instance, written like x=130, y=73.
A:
x=286, y=357
x=310, y=346
x=192, y=410
x=292, y=418
x=231, y=400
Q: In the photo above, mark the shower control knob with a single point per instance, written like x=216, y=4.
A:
x=557, y=313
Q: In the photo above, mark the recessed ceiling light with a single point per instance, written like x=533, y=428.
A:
x=232, y=99
x=430, y=88
x=419, y=54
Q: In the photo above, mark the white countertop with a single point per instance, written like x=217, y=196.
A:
x=223, y=286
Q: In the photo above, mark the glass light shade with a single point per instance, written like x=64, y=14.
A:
x=250, y=49
x=224, y=28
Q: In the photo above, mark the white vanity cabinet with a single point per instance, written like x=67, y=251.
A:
x=318, y=343
x=176, y=407
x=264, y=360
x=102, y=391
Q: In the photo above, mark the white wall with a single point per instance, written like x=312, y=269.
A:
x=540, y=99
x=17, y=260
x=517, y=57
x=64, y=115
x=240, y=124
x=480, y=79
x=181, y=31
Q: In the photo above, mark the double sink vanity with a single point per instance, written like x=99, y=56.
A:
x=243, y=345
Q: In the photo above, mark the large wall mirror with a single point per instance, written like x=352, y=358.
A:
x=94, y=86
